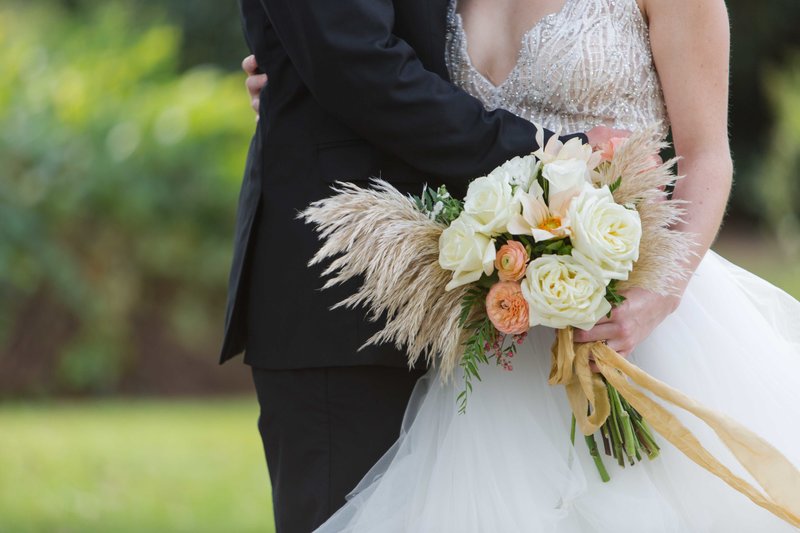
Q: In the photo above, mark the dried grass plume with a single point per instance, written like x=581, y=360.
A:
x=663, y=252
x=379, y=235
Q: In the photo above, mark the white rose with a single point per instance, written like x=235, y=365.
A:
x=562, y=292
x=465, y=251
x=604, y=233
x=519, y=171
x=566, y=174
x=491, y=204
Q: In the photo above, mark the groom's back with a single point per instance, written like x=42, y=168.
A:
x=293, y=116
x=300, y=148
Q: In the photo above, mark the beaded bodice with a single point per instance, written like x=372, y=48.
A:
x=588, y=64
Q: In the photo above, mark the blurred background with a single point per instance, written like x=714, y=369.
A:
x=124, y=126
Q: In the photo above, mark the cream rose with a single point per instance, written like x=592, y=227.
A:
x=565, y=175
x=604, y=233
x=519, y=171
x=491, y=203
x=465, y=251
x=562, y=292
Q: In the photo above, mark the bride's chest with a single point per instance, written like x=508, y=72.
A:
x=589, y=55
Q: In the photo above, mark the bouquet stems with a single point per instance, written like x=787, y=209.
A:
x=625, y=434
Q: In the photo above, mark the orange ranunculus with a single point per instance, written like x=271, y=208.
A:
x=511, y=261
x=507, y=308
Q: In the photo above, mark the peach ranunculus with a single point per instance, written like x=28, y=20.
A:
x=507, y=308
x=511, y=261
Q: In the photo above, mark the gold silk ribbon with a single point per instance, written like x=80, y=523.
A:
x=777, y=476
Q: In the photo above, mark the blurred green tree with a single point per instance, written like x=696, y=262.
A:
x=119, y=180
x=764, y=39
x=777, y=184
x=211, y=29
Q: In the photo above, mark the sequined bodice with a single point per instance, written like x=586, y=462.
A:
x=588, y=64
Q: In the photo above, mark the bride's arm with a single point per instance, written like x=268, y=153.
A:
x=690, y=40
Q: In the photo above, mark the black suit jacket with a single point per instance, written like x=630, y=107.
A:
x=360, y=90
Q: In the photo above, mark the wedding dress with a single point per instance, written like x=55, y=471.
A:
x=507, y=465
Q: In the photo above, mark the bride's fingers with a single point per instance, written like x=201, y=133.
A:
x=620, y=346
x=255, y=83
x=249, y=65
x=606, y=318
x=600, y=332
x=254, y=86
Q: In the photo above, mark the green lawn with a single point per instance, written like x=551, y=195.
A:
x=133, y=466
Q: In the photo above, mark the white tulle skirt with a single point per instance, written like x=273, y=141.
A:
x=507, y=464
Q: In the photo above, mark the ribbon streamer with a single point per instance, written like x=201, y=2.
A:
x=776, y=475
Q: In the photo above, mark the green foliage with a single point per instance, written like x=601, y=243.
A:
x=473, y=317
x=474, y=299
x=614, y=186
x=763, y=35
x=551, y=247
x=212, y=30
x=119, y=180
x=133, y=466
x=483, y=336
x=438, y=205
x=777, y=184
x=612, y=294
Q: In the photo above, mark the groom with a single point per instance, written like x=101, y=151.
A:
x=358, y=89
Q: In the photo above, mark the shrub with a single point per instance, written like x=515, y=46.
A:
x=119, y=178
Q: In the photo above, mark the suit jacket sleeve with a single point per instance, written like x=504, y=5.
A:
x=347, y=56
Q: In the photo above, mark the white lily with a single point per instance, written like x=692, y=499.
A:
x=569, y=160
x=539, y=220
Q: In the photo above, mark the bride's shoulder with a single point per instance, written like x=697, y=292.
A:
x=680, y=9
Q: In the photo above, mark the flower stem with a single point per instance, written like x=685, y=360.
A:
x=647, y=439
x=598, y=461
x=606, y=439
x=572, y=431
x=614, y=429
x=628, y=437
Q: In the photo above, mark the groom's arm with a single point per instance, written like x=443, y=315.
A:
x=347, y=56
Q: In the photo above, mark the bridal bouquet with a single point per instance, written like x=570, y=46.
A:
x=541, y=240
x=552, y=239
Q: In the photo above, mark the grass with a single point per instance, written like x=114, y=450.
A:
x=133, y=466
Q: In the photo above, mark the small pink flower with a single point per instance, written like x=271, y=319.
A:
x=507, y=308
x=511, y=261
x=607, y=140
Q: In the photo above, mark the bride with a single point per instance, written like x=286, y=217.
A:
x=731, y=341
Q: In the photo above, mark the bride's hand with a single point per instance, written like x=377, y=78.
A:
x=631, y=322
x=256, y=80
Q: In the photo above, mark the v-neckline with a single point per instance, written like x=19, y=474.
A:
x=520, y=52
